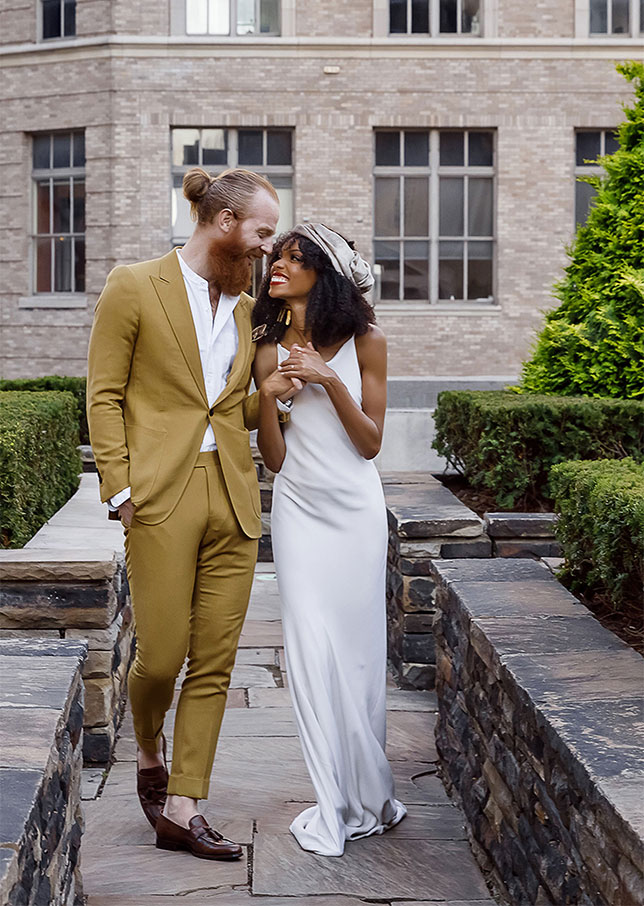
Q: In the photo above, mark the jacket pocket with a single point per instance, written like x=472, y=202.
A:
x=145, y=448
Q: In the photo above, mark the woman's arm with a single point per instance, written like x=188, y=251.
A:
x=363, y=425
x=271, y=384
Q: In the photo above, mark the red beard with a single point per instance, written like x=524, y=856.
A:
x=231, y=269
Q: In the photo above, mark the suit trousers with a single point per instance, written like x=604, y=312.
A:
x=190, y=578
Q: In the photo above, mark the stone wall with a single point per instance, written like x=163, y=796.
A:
x=540, y=734
x=41, y=718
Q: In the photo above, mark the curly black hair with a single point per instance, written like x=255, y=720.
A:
x=335, y=310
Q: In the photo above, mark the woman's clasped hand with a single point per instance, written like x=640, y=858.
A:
x=305, y=364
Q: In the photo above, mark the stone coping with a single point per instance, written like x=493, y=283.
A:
x=419, y=506
x=58, y=564
x=520, y=525
x=585, y=685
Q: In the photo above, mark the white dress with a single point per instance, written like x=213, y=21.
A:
x=329, y=531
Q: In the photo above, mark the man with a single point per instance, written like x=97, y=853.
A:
x=170, y=360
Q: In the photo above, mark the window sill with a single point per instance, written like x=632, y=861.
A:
x=53, y=300
x=438, y=308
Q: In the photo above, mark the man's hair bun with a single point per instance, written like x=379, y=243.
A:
x=196, y=183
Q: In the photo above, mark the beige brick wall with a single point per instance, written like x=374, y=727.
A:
x=536, y=19
x=331, y=18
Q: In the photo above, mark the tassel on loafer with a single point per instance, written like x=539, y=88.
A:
x=199, y=839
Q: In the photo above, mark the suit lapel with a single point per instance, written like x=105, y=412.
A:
x=241, y=359
x=171, y=290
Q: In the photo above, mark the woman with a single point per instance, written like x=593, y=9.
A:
x=329, y=524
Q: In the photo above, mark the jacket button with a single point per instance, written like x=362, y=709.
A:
x=212, y=411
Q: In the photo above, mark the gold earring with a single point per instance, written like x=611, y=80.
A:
x=284, y=316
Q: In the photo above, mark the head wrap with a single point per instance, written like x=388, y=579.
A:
x=344, y=259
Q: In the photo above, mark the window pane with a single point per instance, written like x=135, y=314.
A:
x=185, y=147
x=219, y=17
x=51, y=19
x=387, y=149
x=387, y=255
x=642, y=17
x=584, y=194
x=450, y=270
x=481, y=149
x=196, y=17
x=479, y=270
x=397, y=21
x=451, y=206
x=43, y=265
x=588, y=147
x=182, y=224
x=250, y=147
x=420, y=16
x=246, y=24
x=278, y=148
x=70, y=17
x=611, y=142
x=79, y=149
x=62, y=207
x=387, y=206
x=214, y=146
x=42, y=144
x=62, y=264
x=269, y=21
x=452, y=153
x=78, y=225
x=62, y=150
x=79, y=265
x=448, y=12
x=285, y=195
x=479, y=211
x=416, y=149
x=42, y=207
x=598, y=17
x=416, y=206
x=416, y=271
x=621, y=24
x=471, y=17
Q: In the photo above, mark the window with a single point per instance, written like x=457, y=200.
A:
x=267, y=151
x=59, y=212
x=588, y=147
x=58, y=18
x=435, y=17
x=236, y=17
x=611, y=17
x=434, y=214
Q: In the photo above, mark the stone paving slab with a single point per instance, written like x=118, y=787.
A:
x=257, y=633
x=410, y=736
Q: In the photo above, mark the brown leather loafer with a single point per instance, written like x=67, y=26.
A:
x=199, y=839
x=152, y=789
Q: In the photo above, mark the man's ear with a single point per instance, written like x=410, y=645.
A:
x=226, y=220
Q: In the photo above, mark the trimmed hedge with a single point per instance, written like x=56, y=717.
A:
x=601, y=526
x=39, y=462
x=75, y=385
x=507, y=442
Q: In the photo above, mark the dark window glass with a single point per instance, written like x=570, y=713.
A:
x=42, y=208
x=79, y=206
x=621, y=21
x=62, y=207
x=250, y=147
x=448, y=14
x=479, y=270
x=79, y=265
x=416, y=206
x=598, y=17
x=214, y=146
x=450, y=270
x=452, y=153
x=42, y=147
x=479, y=207
x=387, y=255
x=451, y=206
x=481, y=149
x=416, y=271
x=70, y=17
x=387, y=213
x=470, y=17
x=278, y=148
x=584, y=194
x=588, y=147
x=43, y=265
x=397, y=19
x=79, y=149
x=62, y=264
x=420, y=17
x=387, y=149
x=642, y=17
x=416, y=149
x=611, y=142
x=62, y=150
x=51, y=19
x=269, y=17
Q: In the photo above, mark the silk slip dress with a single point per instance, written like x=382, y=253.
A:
x=329, y=531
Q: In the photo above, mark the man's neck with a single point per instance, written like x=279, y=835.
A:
x=196, y=256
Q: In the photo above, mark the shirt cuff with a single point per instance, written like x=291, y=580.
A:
x=284, y=406
x=115, y=502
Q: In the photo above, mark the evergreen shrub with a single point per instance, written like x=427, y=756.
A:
x=507, y=442
x=75, y=385
x=39, y=462
x=601, y=526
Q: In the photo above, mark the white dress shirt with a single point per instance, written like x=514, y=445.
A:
x=218, y=342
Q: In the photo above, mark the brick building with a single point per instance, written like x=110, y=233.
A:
x=444, y=136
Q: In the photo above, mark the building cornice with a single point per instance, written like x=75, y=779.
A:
x=177, y=47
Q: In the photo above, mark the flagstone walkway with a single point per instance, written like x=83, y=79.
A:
x=259, y=784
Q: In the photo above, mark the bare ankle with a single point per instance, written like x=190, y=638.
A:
x=180, y=809
x=146, y=760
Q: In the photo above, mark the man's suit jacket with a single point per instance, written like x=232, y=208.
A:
x=146, y=400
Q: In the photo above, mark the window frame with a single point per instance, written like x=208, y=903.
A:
x=232, y=22
x=434, y=171
x=636, y=21
x=588, y=169
x=434, y=22
x=41, y=23
x=75, y=175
